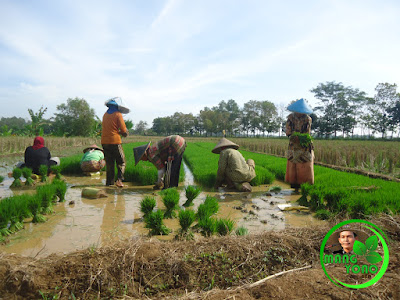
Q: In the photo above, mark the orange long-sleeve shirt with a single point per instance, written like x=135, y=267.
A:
x=113, y=125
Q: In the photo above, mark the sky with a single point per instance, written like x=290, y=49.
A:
x=167, y=56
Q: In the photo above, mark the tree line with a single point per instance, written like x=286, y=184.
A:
x=340, y=110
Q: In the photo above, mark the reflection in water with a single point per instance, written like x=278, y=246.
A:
x=97, y=222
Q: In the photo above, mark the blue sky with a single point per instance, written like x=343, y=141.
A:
x=163, y=56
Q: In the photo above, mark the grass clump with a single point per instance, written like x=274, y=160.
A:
x=147, y=205
x=191, y=193
x=27, y=173
x=207, y=226
x=16, y=173
x=241, y=231
x=208, y=208
x=323, y=214
x=186, y=219
x=154, y=221
x=224, y=226
x=43, y=173
x=170, y=198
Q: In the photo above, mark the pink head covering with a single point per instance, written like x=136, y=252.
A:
x=38, y=143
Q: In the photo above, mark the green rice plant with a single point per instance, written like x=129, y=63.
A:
x=241, y=231
x=147, y=205
x=56, y=170
x=18, y=211
x=207, y=226
x=46, y=193
x=224, y=226
x=154, y=221
x=35, y=206
x=5, y=216
x=191, y=193
x=207, y=209
x=16, y=173
x=60, y=189
x=43, y=173
x=71, y=165
x=170, y=198
x=186, y=219
x=275, y=189
x=323, y=214
x=27, y=173
x=263, y=176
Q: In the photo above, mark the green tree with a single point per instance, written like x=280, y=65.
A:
x=75, y=118
x=141, y=127
x=37, y=121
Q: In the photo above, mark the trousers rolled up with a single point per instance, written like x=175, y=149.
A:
x=175, y=170
x=114, y=154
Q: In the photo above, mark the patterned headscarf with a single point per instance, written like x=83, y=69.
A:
x=38, y=143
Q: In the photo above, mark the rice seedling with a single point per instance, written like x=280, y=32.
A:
x=57, y=171
x=27, y=173
x=60, y=189
x=5, y=216
x=186, y=219
x=43, y=173
x=71, y=165
x=46, y=193
x=275, y=189
x=170, y=198
x=147, y=205
x=224, y=226
x=207, y=226
x=16, y=173
x=207, y=209
x=35, y=205
x=241, y=231
x=191, y=193
x=154, y=221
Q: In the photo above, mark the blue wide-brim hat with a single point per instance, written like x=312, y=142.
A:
x=300, y=106
x=113, y=102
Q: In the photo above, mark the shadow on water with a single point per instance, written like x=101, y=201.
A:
x=80, y=222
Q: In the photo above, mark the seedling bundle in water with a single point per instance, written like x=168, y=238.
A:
x=191, y=193
x=147, y=205
x=57, y=171
x=186, y=219
x=154, y=221
x=204, y=213
x=170, y=198
x=43, y=173
x=27, y=173
x=17, y=172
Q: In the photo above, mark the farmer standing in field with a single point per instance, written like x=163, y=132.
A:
x=113, y=126
x=166, y=156
x=233, y=170
x=300, y=155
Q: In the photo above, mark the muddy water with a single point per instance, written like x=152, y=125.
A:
x=80, y=222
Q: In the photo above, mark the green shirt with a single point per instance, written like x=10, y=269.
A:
x=231, y=164
x=96, y=155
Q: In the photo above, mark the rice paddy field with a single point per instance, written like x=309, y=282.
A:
x=57, y=216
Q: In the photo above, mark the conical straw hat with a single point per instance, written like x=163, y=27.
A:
x=94, y=146
x=224, y=143
x=138, y=152
x=300, y=106
x=117, y=101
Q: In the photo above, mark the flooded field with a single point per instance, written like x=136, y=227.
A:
x=81, y=223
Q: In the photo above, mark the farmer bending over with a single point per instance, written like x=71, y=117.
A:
x=92, y=159
x=233, y=170
x=166, y=156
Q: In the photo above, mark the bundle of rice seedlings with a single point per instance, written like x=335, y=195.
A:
x=5, y=217
x=191, y=193
x=186, y=219
x=46, y=193
x=27, y=173
x=17, y=172
x=60, y=189
x=241, y=230
x=154, y=221
x=35, y=205
x=43, y=173
x=147, y=205
x=224, y=226
x=170, y=198
x=275, y=189
x=57, y=171
x=208, y=208
x=18, y=211
x=207, y=226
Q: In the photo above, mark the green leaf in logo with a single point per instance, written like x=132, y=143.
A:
x=372, y=243
x=359, y=248
x=373, y=257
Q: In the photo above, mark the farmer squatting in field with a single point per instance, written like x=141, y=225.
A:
x=166, y=156
x=300, y=164
x=113, y=126
x=233, y=170
x=92, y=159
